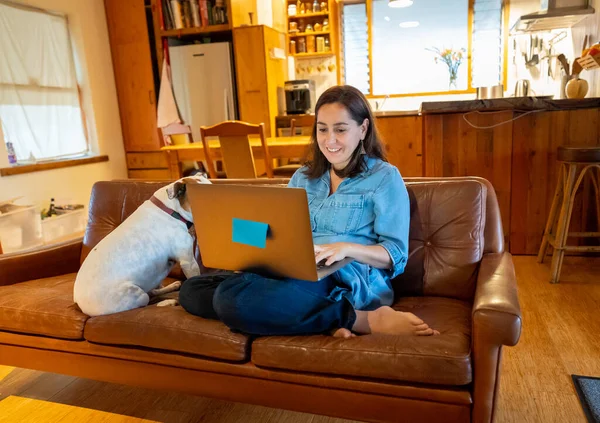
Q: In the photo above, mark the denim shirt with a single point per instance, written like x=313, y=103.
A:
x=371, y=208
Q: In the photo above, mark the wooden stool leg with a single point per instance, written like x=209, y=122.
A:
x=595, y=174
x=558, y=193
x=563, y=223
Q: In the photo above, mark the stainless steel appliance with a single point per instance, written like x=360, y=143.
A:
x=300, y=97
x=522, y=88
x=495, y=91
x=554, y=14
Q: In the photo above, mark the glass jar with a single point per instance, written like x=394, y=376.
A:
x=310, y=44
x=320, y=44
x=323, y=6
x=301, y=25
x=309, y=7
x=292, y=47
x=325, y=24
x=292, y=10
x=316, y=6
x=327, y=46
x=293, y=27
x=301, y=45
x=309, y=28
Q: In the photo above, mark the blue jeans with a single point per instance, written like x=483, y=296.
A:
x=257, y=305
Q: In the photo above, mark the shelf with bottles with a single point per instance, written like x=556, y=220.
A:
x=310, y=55
x=304, y=34
x=298, y=9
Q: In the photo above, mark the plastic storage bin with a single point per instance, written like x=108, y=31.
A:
x=20, y=228
x=63, y=225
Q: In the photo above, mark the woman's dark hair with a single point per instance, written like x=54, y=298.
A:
x=359, y=109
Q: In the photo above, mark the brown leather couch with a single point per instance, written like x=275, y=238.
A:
x=459, y=279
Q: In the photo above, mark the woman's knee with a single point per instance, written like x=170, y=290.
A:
x=233, y=302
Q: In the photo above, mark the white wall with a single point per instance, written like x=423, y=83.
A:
x=87, y=24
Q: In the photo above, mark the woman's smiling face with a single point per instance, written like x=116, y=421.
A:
x=338, y=135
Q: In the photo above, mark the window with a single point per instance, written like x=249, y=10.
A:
x=401, y=58
x=39, y=98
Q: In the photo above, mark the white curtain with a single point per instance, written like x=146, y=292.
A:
x=39, y=98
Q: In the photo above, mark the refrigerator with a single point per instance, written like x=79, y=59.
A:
x=203, y=84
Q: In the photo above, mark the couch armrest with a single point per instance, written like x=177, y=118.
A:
x=496, y=304
x=44, y=262
x=496, y=322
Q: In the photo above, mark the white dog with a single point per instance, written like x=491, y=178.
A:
x=131, y=261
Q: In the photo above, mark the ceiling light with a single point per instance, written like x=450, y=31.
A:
x=409, y=24
x=400, y=3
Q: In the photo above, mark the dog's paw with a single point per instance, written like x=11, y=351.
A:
x=161, y=291
x=167, y=303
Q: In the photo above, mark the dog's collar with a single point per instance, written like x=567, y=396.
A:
x=171, y=212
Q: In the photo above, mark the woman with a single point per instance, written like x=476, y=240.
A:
x=359, y=208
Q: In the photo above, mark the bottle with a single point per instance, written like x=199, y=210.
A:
x=327, y=46
x=292, y=47
x=51, y=209
x=323, y=6
x=12, y=157
x=301, y=47
x=325, y=24
x=320, y=44
x=310, y=43
x=316, y=6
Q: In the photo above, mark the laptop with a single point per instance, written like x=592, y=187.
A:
x=259, y=229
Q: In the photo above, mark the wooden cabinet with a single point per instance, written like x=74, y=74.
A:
x=132, y=64
x=261, y=70
x=403, y=140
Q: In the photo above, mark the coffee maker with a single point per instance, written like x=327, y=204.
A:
x=300, y=97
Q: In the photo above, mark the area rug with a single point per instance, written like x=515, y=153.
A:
x=588, y=390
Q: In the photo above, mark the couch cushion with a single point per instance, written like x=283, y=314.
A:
x=444, y=359
x=42, y=307
x=168, y=328
x=446, y=237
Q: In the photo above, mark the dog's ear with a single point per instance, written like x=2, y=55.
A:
x=177, y=190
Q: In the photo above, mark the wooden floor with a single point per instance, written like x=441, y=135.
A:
x=561, y=336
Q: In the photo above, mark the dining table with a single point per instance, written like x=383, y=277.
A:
x=279, y=148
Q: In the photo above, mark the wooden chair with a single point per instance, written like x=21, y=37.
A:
x=290, y=166
x=179, y=129
x=576, y=163
x=235, y=148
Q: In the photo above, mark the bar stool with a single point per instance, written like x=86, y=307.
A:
x=576, y=163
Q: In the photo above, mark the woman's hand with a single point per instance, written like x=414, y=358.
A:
x=373, y=255
x=332, y=252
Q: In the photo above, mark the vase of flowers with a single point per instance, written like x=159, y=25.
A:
x=452, y=59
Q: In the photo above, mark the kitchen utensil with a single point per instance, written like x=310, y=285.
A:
x=534, y=58
x=577, y=68
x=522, y=88
x=495, y=91
x=564, y=63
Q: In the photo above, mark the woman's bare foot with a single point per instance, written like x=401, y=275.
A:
x=342, y=333
x=386, y=320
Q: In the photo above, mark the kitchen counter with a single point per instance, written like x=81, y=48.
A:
x=509, y=103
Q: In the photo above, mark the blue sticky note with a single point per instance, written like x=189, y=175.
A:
x=250, y=233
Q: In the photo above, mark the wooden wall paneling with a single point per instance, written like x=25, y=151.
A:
x=532, y=192
x=403, y=139
x=536, y=139
x=132, y=64
x=455, y=148
x=433, y=126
